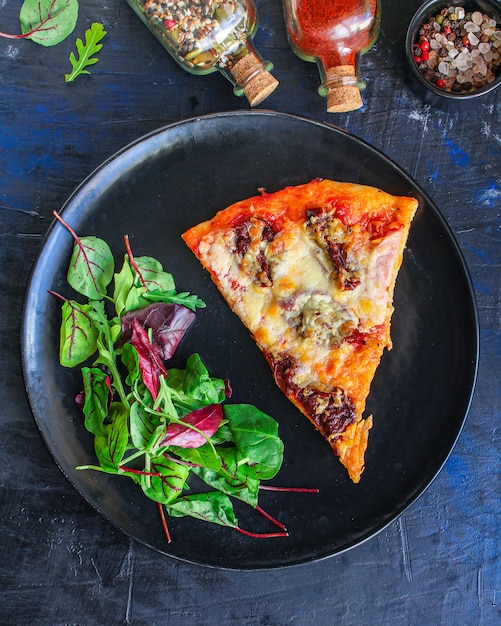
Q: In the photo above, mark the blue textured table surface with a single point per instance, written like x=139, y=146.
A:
x=60, y=562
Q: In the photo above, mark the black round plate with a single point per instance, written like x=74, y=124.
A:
x=154, y=190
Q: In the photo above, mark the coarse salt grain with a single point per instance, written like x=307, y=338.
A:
x=443, y=67
x=477, y=18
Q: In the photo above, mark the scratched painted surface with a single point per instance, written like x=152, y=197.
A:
x=60, y=563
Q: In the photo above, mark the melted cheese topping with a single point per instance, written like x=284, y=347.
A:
x=302, y=311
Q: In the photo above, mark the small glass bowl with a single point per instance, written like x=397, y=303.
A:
x=492, y=8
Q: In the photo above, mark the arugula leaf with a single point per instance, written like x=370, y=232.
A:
x=130, y=359
x=93, y=36
x=105, y=346
x=190, y=301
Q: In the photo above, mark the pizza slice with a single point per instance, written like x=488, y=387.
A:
x=310, y=270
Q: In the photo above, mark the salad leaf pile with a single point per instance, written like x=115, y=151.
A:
x=155, y=425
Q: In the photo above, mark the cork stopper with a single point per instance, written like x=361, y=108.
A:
x=256, y=81
x=343, y=93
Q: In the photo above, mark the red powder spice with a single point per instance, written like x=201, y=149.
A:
x=333, y=31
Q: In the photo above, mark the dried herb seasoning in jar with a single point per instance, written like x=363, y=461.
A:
x=205, y=36
x=459, y=51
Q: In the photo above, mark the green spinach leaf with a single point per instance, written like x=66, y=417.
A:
x=212, y=506
x=257, y=440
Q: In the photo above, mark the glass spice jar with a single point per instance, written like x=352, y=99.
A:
x=333, y=33
x=205, y=36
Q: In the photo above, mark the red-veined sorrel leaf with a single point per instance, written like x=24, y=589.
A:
x=166, y=481
x=153, y=276
x=150, y=362
x=142, y=425
x=78, y=336
x=111, y=448
x=206, y=420
x=91, y=267
x=167, y=322
x=97, y=399
x=48, y=22
x=149, y=271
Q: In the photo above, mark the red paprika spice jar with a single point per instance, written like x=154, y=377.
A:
x=333, y=33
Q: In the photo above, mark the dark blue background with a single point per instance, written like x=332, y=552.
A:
x=60, y=563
